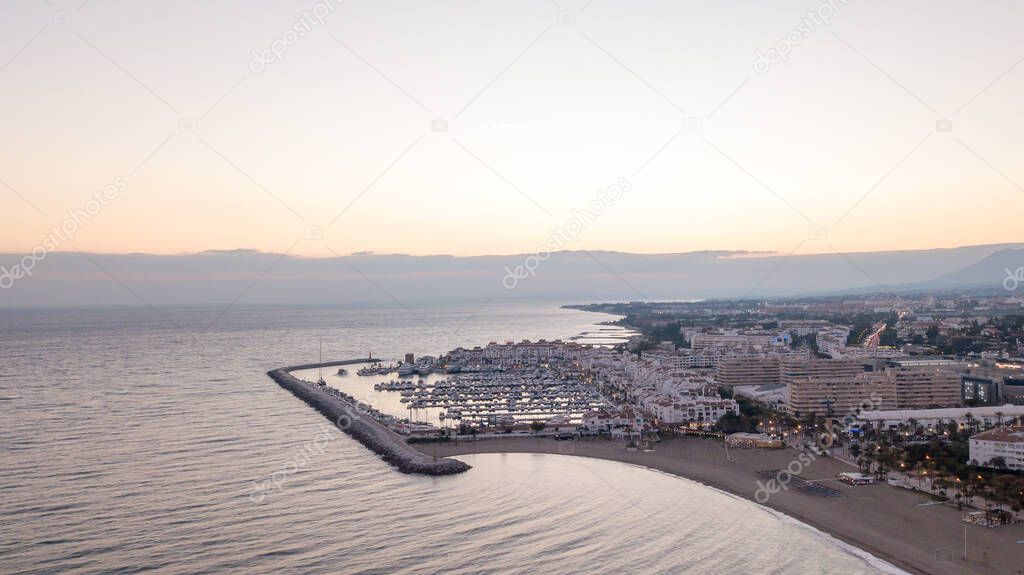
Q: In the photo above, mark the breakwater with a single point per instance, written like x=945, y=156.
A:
x=390, y=446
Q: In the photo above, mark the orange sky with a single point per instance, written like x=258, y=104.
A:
x=333, y=147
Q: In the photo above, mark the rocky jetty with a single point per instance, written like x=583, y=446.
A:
x=347, y=417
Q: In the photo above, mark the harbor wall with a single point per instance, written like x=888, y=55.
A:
x=391, y=446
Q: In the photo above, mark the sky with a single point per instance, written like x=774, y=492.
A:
x=318, y=128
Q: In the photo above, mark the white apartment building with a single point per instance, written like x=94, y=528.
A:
x=616, y=422
x=986, y=416
x=525, y=352
x=664, y=377
x=808, y=326
x=679, y=409
x=833, y=342
x=1007, y=443
x=700, y=341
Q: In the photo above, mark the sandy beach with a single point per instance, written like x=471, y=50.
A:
x=892, y=523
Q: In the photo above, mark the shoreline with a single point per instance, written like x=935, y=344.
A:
x=390, y=446
x=886, y=522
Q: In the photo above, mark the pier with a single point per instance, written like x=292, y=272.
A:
x=346, y=415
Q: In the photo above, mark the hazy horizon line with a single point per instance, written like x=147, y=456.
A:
x=735, y=253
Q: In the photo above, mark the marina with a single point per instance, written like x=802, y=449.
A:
x=478, y=399
x=499, y=398
x=476, y=389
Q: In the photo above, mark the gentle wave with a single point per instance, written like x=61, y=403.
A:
x=128, y=448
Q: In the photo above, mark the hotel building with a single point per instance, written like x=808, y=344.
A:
x=1007, y=443
x=839, y=395
x=747, y=370
x=923, y=388
x=829, y=368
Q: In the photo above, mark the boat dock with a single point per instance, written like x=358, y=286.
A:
x=500, y=396
x=347, y=416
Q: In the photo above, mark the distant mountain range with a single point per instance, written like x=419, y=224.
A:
x=980, y=274
x=251, y=277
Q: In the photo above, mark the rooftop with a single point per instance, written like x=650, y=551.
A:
x=1006, y=434
x=944, y=413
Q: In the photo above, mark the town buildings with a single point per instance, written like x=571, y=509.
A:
x=617, y=423
x=657, y=387
x=924, y=387
x=1001, y=448
x=680, y=409
x=838, y=386
x=839, y=395
x=748, y=369
x=986, y=416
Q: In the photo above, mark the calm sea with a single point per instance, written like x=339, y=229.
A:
x=140, y=440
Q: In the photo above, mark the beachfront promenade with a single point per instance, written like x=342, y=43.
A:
x=346, y=415
x=903, y=527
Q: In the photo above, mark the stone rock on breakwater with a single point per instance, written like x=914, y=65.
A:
x=378, y=438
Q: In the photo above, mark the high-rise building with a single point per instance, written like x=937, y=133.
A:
x=924, y=387
x=747, y=370
x=1012, y=390
x=839, y=395
x=981, y=389
x=831, y=368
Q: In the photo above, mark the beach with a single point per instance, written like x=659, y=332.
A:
x=900, y=526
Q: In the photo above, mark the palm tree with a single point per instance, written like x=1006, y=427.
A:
x=921, y=472
x=863, y=464
x=886, y=456
x=940, y=481
x=811, y=420
x=975, y=485
x=986, y=493
x=875, y=457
